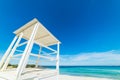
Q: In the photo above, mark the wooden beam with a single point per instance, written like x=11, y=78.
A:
x=42, y=56
x=45, y=46
x=17, y=55
x=23, y=43
x=20, y=51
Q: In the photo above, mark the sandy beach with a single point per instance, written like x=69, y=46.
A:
x=67, y=77
x=48, y=72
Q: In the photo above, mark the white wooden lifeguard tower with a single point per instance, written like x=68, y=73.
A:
x=33, y=33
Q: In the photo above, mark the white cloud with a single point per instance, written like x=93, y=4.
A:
x=93, y=58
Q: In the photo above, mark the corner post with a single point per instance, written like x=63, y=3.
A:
x=26, y=53
x=57, y=63
x=38, y=59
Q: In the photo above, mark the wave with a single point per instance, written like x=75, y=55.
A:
x=102, y=72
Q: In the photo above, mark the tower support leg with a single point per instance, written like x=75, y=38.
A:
x=26, y=53
x=57, y=63
x=7, y=52
x=12, y=52
x=38, y=59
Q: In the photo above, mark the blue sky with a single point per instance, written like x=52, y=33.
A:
x=85, y=27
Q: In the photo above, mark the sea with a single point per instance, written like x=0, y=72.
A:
x=110, y=72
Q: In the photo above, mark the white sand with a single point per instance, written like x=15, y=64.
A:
x=7, y=75
x=66, y=77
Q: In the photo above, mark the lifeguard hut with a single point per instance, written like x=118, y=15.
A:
x=33, y=33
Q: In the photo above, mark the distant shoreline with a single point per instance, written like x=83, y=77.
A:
x=71, y=65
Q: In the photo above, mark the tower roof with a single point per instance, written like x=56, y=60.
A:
x=43, y=36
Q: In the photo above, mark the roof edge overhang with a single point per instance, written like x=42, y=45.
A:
x=24, y=27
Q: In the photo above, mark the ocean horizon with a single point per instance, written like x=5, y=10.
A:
x=109, y=72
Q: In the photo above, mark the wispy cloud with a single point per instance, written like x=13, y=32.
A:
x=90, y=58
x=93, y=58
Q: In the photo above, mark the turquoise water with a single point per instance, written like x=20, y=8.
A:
x=112, y=72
